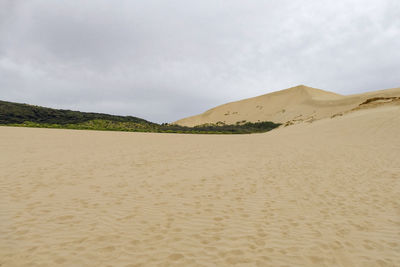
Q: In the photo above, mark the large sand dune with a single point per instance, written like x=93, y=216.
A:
x=296, y=104
x=319, y=194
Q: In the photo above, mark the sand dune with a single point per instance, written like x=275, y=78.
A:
x=296, y=104
x=320, y=194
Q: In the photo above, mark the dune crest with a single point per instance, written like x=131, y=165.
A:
x=296, y=104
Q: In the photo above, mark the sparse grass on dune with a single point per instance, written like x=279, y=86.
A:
x=106, y=125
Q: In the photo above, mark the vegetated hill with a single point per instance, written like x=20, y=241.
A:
x=19, y=113
x=296, y=104
x=15, y=114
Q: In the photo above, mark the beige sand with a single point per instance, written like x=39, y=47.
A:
x=296, y=104
x=319, y=194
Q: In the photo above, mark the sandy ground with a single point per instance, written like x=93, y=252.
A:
x=297, y=104
x=319, y=194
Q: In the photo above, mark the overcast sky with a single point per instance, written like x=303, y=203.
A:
x=163, y=60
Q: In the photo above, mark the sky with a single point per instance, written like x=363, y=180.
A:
x=163, y=60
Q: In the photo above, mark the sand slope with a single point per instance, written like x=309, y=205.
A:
x=296, y=104
x=320, y=194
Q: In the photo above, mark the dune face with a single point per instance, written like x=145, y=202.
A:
x=319, y=194
x=296, y=104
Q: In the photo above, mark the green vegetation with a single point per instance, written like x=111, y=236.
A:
x=20, y=113
x=24, y=115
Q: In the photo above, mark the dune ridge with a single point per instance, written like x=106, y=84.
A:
x=296, y=104
x=319, y=194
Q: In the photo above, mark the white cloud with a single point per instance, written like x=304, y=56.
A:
x=164, y=60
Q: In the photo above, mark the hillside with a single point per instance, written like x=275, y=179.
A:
x=18, y=113
x=296, y=104
x=15, y=114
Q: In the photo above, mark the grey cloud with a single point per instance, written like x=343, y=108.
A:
x=164, y=60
